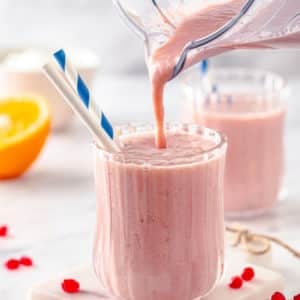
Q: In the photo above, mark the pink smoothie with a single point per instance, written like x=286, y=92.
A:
x=255, y=159
x=202, y=20
x=160, y=216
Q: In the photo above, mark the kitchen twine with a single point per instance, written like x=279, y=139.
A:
x=250, y=240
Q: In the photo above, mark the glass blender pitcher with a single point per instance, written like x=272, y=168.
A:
x=259, y=24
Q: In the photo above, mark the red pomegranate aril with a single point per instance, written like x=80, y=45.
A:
x=278, y=296
x=3, y=231
x=70, y=286
x=26, y=261
x=248, y=274
x=12, y=264
x=236, y=282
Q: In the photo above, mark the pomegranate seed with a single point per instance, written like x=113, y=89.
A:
x=70, y=286
x=26, y=261
x=236, y=282
x=248, y=274
x=12, y=264
x=297, y=297
x=3, y=231
x=278, y=296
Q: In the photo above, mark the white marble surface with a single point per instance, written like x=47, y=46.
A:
x=51, y=210
x=265, y=283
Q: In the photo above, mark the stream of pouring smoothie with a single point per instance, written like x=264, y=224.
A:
x=194, y=25
x=162, y=61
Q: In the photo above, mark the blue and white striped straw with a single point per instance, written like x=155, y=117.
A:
x=211, y=89
x=206, y=82
x=80, y=102
x=82, y=90
x=204, y=67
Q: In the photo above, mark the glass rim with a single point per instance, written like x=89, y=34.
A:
x=281, y=82
x=197, y=129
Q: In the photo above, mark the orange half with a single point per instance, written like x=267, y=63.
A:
x=24, y=128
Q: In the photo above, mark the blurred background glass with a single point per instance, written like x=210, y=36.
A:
x=96, y=24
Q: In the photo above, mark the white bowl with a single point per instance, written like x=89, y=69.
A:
x=21, y=73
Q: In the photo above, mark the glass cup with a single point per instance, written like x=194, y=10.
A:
x=160, y=224
x=248, y=107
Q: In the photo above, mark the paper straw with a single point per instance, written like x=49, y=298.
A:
x=204, y=67
x=209, y=86
x=82, y=90
x=206, y=80
x=91, y=122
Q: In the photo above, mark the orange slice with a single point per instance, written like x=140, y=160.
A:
x=24, y=128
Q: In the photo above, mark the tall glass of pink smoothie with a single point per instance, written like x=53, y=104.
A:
x=248, y=107
x=160, y=223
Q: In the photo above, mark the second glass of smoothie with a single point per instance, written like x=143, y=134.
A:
x=160, y=215
x=248, y=107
